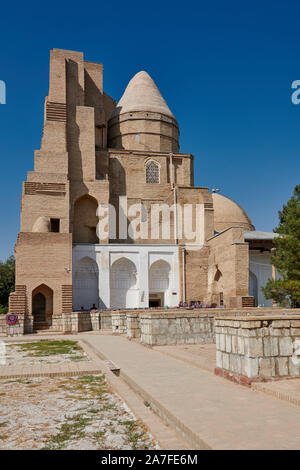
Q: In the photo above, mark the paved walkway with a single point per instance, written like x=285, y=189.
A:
x=199, y=355
x=213, y=412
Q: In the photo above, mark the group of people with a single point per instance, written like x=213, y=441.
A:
x=195, y=304
x=190, y=304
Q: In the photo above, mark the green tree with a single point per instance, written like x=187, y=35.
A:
x=7, y=279
x=287, y=256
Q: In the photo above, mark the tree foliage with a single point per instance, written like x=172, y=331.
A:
x=7, y=279
x=287, y=256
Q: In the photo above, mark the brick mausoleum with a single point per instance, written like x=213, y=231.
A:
x=94, y=152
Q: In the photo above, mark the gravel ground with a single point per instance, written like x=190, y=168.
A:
x=26, y=354
x=67, y=413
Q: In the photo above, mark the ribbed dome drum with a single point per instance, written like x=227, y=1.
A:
x=142, y=119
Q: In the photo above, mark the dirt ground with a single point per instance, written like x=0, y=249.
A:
x=79, y=412
x=42, y=352
x=67, y=413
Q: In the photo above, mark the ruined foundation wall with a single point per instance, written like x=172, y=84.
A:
x=176, y=328
x=258, y=348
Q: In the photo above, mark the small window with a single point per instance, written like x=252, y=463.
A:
x=54, y=225
x=152, y=172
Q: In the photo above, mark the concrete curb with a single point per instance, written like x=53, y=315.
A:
x=285, y=396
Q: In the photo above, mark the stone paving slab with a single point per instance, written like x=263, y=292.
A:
x=210, y=411
x=199, y=355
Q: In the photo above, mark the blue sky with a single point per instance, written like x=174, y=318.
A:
x=224, y=68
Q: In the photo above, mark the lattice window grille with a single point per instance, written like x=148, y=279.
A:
x=152, y=172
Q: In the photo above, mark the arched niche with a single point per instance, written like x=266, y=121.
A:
x=85, y=220
x=42, y=305
x=85, y=284
x=123, y=284
x=159, y=283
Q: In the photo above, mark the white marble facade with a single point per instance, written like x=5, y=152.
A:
x=125, y=276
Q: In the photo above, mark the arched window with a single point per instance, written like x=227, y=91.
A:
x=152, y=172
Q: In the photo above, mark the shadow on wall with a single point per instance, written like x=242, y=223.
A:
x=118, y=188
x=85, y=220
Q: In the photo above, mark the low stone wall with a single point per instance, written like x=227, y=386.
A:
x=176, y=328
x=133, y=328
x=257, y=348
x=118, y=322
x=105, y=319
x=12, y=330
x=76, y=321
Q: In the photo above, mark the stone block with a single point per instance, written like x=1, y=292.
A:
x=241, y=345
x=295, y=332
x=285, y=346
x=235, y=363
x=247, y=333
x=270, y=346
x=249, y=367
x=253, y=347
x=275, y=332
x=226, y=361
x=228, y=343
x=234, y=344
x=232, y=331
x=222, y=342
x=294, y=366
x=219, y=359
x=282, y=366
x=250, y=324
x=280, y=324
x=267, y=367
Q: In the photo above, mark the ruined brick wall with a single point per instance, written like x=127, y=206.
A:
x=228, y=267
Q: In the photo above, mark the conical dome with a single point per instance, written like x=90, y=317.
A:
x=142, y=94
x=142, y=120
